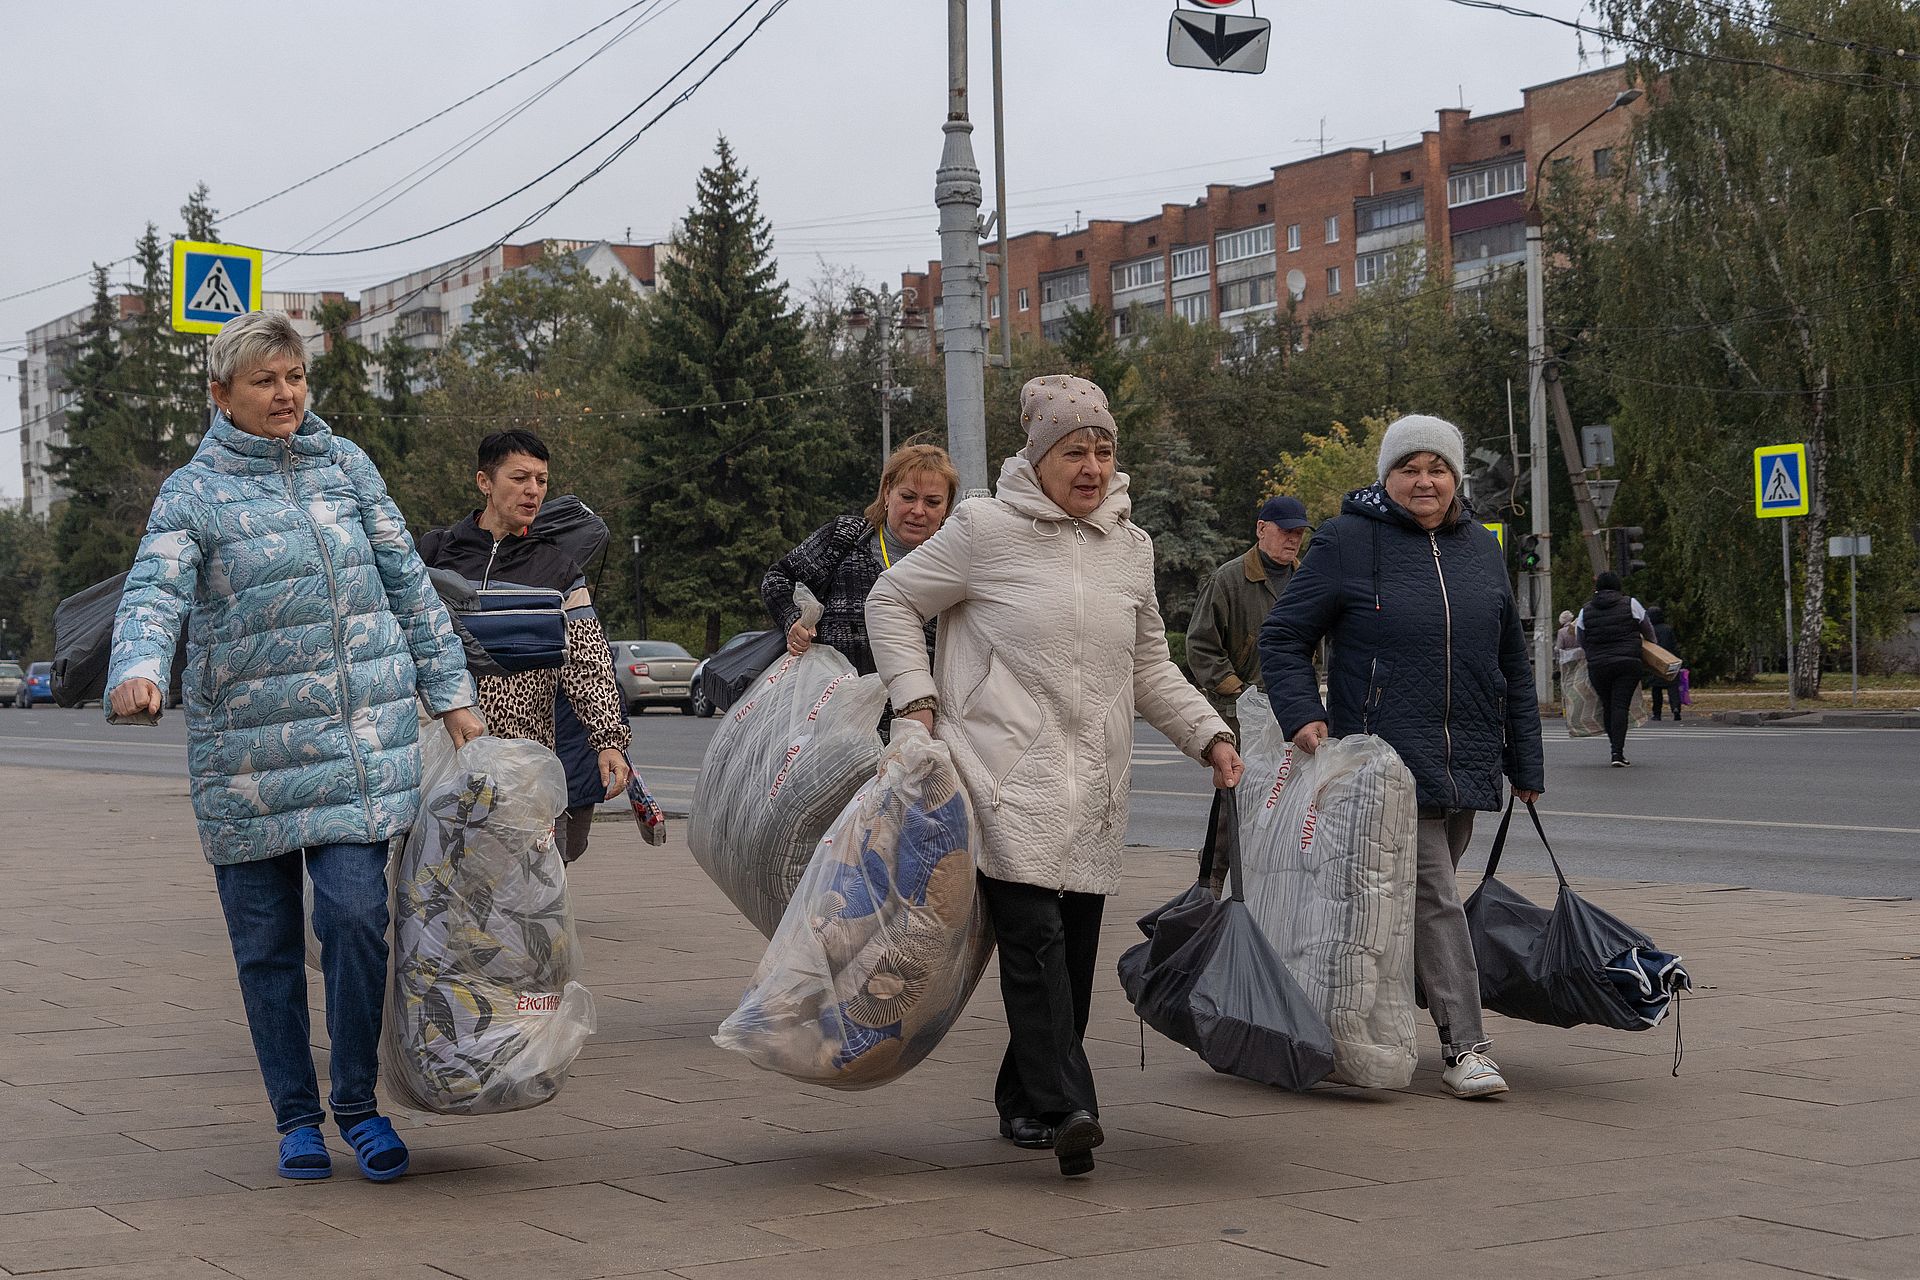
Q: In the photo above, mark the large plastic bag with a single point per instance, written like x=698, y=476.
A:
x=886, y=935
x=1583, y=702
x=1329, y=846
x=782, y=766
x=483, y=1011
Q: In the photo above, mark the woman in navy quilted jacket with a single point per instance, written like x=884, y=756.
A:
x=313, y=630
x=1427, y=653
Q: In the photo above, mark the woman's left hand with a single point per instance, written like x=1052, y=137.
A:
x=463, y=726
x=1227, y=767
x=614, y=771
x=1525, y=797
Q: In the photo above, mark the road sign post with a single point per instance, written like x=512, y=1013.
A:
x=1218, y=42
x=213, y=283
x=1780, y=491
x=1853, y=548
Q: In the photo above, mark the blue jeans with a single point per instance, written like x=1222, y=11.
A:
x=263, y=904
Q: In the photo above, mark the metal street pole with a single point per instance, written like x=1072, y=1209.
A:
x=886, y=378
x=639, y=591
x=1537, y=457
x=1853, y=613
x=1786, y=567
x=963, y=333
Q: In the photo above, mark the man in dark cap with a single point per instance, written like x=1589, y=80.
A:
x=1223, y=637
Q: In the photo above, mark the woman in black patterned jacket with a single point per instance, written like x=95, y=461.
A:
x=841, y=560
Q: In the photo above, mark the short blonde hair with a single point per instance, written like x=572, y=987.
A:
x=248, y=341
x=907, y=460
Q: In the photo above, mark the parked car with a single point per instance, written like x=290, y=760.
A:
x=711, y=693
x=653, y=673
x=11, y=678
x=38, y=686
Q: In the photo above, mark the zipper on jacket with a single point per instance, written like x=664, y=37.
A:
x=486, y=576
x=1073, y=731
x=1446, y=712
x=339, y=640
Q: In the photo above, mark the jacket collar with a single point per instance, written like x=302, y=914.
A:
x=1020, y=489
x=226, y=447
x=1373, y=503
x=1254, y=567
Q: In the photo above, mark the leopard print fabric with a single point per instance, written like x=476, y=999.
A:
x=521, y=705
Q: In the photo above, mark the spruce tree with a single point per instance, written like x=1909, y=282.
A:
x=732, y=474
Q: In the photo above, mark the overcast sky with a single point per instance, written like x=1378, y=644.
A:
x=114, y=110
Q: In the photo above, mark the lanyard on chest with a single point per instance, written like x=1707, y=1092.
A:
x=886, y=559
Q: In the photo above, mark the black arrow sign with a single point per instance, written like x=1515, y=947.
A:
x=1217, y=44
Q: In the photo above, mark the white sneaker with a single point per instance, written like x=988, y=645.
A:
x=1473, y=1076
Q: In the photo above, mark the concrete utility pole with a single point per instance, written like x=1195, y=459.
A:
x=963, y=330
x=1543, y=615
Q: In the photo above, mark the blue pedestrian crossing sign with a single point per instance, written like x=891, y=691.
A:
x=1780, y=480
x=213, y=283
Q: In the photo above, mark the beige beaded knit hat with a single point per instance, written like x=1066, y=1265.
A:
x=1058, y=405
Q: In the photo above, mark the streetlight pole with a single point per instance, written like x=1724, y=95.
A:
x=888, y=309
x=963, y=332
x=1542, y=591
x=639, y=591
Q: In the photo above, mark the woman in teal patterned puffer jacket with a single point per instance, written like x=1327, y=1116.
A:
x=312, y=627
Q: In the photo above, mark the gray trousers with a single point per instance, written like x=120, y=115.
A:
x=1442, y=950
x=571, y=832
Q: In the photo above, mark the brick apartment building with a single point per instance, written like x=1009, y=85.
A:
x=1319, y=229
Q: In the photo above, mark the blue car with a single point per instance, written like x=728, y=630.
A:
x=38, y=686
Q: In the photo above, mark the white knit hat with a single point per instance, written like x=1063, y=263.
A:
x=1056, y=406
x=1419, y=433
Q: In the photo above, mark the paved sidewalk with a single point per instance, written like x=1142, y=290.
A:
x=136, y=1144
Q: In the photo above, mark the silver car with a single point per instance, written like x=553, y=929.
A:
x=653, y=673
x=11, y=677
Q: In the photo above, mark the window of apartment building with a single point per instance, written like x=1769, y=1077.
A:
x=993, y=306
x=1501, y=178
x=1293, y=238
x=1250, y=243
x=1504, y=240
x=1382, y=215
x=1368, y=268
x=1139, y=273
x=1022, y=300
x=1333, y=281
x=1064, y=287
x=1054, y=331
x=1190, y=262
x=1603, y=162
x=1192, y=308
x=1243, y=295
x=1333, y=228
x=1128, y=322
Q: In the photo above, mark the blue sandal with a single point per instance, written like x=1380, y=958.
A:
x=303, y=1154
x=382, y=1156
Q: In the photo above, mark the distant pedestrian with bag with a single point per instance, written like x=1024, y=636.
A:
x=1050, y=641
x=1664, y=636
x=1223, y=633
x=1611, y=626
x=314, y=638
x=842, y=559
x=1428, y=653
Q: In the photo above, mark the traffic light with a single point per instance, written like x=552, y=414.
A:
x=1627, y=549
x=1530, y=553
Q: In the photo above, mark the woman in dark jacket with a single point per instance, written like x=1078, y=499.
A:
x=1427, y=653
x=842, y=560
x=1611, y=627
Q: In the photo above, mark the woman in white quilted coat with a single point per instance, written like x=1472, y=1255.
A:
x=1050, y=641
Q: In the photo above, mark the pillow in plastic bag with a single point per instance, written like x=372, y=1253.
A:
x=483, y=1011
x=785, y=761
x=885, y=938
x=1329, y=851
x=1584, y=718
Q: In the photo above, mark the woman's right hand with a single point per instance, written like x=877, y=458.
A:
x=1311, y=735
x=799, y=638
x=922, y=718
x=135, y=697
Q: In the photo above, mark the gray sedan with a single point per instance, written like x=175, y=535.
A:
x=653, y=673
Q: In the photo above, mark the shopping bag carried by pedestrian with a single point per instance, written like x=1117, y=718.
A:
x=646, y=810
x=1570, y=966
x=885, y=938
x=1582, y=701
x=1328, y=841
x=1207, y=978
x=83, y=644
x=485, y=1012
x=784, y=763
x=1683, y=688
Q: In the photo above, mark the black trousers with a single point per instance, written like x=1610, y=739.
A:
x=1049, y=942
x=1614, y=680
x=1672, y=694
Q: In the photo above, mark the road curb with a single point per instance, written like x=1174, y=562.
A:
x=1822, y=719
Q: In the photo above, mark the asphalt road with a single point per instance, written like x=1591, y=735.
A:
x=1833, y=811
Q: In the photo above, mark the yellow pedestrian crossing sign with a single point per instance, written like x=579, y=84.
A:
x=213, y=283
x=1498, y=528
x=1780, y=480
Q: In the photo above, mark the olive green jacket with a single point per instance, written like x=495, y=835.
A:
x=1223, y=637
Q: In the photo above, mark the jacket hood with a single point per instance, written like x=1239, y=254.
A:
x=227, y=448
x=1020, y=489
x=1372, y=502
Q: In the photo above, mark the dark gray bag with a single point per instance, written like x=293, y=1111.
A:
x=1207, y=978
